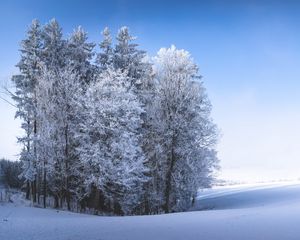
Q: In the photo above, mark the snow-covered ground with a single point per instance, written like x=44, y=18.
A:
x=264, y=212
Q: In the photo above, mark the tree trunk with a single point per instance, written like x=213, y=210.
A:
x=61, y=202
x=33, y=190
x=27, y=190
x=29, y=184
x=67, y=191
x=56, y=202
x=146, y=205
x=44, y=186
x=193, y=201
x=38, y=188
x=68, y=201
x=169, y=181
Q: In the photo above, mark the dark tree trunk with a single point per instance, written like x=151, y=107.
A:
x=44, y=186
x=146, y=206
x=33, y=190
x=193, y=201
x=117, y=208
x=67, y=190
x=97, y=200
x=34, y=186
x=28, y=184
x=82, y=204
x=56, y=202
x=169, y=180
x=60, y=202
x=68, y=201
x=27, y=190
x=38, y=188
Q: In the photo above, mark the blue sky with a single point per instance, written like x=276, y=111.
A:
x=248, y=53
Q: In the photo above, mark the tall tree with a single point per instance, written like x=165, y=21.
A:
x=188, y=135
x=25, y=97
x=54, y=46
x=80, y=53
x=58, y=93
x=110, y=152
x=128, y=58
x=105, y=57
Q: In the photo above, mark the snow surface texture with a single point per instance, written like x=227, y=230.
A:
x=248, y=213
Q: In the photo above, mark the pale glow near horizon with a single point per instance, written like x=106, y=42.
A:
x=257, y=143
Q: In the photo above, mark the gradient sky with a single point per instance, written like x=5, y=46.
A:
x=248, y=53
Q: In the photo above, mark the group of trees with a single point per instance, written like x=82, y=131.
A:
x=9, y=173
x=112, y=130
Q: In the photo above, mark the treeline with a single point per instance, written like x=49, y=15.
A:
x=10, y=174
x=111, y=130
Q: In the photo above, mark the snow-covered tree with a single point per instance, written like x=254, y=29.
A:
x=58, y=94
x=80, y=53
x=110, y=150
x=54, y=46
x=25, y=97
x=105, y=57
x=127, y=57
x=186, y=131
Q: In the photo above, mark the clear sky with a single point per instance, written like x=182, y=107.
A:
x=248, y=53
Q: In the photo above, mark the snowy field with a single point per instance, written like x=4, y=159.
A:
x=264, y=212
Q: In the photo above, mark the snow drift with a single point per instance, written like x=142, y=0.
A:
x=248, y=213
